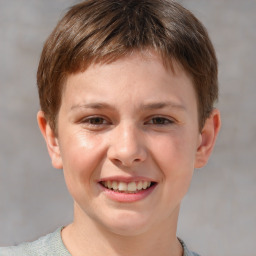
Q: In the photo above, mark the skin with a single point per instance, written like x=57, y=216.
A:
x=132, y=119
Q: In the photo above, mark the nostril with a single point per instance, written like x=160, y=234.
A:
x=124, y=163
x=126, y=152
x=127, y=161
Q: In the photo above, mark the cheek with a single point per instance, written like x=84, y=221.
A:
x=175, y=156
x=175, y=151
x=81, y=156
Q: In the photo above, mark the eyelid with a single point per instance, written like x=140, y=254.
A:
x=87, y=120
x=168, y=119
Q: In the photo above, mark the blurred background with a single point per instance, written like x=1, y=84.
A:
x=218, y=215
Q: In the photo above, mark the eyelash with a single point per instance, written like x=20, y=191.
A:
x=94, y=121
x=160, y=121
x=98, y=121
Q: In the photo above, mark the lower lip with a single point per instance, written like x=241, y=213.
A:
x=127, y=197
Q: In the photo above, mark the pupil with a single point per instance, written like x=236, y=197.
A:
x=158, y=120
x=96, y=120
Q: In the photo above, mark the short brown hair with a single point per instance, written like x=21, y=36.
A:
x=96, y=31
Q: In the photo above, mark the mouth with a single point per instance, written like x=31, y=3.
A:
x=127, y=187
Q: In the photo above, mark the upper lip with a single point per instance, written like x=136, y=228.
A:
x=126, y=179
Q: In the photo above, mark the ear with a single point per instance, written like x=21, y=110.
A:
x=50, y=139
x=208, y=138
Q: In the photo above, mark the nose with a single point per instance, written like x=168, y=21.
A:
x=126, y=146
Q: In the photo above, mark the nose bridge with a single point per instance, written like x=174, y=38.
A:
x=127, y=145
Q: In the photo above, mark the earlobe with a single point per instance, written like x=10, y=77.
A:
x=50, y=139
x=208, y=138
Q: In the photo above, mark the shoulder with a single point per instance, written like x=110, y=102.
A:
x=186, y=251
x=49, y=245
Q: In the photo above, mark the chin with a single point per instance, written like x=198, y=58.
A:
x=128, y=224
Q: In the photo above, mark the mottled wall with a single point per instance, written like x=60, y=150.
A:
x=218, y=216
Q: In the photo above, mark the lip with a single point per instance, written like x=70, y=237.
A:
x=127, y=179
x=124, y=197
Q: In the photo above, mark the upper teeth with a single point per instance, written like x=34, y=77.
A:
x=126, y=187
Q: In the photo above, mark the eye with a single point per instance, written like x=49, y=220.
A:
x=158, y=120
x=95, y=121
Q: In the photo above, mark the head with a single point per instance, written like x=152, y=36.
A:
x=104, y=31
x=126, y=88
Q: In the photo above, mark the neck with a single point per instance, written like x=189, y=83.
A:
x=85, y=237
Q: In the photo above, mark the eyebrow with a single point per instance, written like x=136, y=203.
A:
x=147, y=106
x=160, y=105
x=95, y=105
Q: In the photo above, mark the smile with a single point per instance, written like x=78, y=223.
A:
x=127, y=187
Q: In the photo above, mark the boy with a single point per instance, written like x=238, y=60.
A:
x=126, y=89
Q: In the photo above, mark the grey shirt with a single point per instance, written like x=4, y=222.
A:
x=52, y=245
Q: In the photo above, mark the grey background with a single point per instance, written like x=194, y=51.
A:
x=218, y=216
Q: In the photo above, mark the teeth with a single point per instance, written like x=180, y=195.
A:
x=139, y=185
x=122, y=186
x=130, y=187
x=109, y=185
x=144, y=184
x=114, y=185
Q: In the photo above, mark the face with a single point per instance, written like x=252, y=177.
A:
x=128, y=141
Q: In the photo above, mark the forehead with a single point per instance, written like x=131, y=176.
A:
x=155, y=63
x=137, y=79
